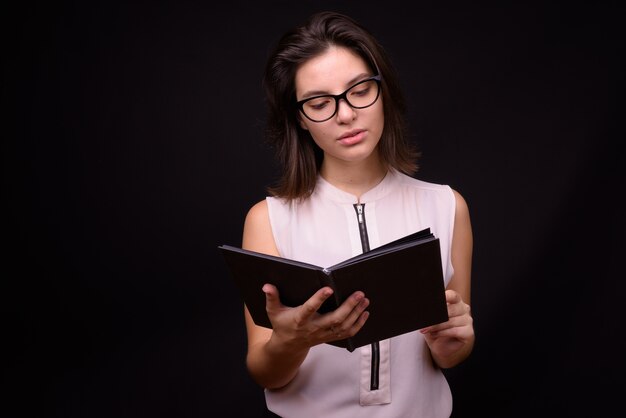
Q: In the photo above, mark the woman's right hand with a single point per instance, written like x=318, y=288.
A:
x=303, y=327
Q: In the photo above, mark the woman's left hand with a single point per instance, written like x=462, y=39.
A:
x=451, y=342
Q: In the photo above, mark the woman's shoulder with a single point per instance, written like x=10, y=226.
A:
x=257, y=214
x=422, y=185
x=461, y=208
x=444, y=191
x=257, y=235
x=272, y=210
x=259, y=208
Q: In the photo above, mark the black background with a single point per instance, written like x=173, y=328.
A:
x=132, y=146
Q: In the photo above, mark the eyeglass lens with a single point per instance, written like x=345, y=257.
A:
x=322, y=108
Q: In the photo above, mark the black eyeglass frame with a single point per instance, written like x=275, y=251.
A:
x=337, y=97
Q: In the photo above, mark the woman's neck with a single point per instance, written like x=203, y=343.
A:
x=355, y=178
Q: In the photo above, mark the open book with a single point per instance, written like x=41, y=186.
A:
x=402, y=279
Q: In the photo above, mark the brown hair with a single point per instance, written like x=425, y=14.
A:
x=300, y=158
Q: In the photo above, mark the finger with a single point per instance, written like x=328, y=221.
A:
x=339, y=333
x=340, y=322
x=458, y=309
x=358, y=324
x=348, y=306
x=435, y=328
x=272, y=299
x=312, y=305
x=452, y=296
x=356, y=312
x=453, y=322
x=460, y=332
x=345, y=324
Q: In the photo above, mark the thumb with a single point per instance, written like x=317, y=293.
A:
x=272, y=299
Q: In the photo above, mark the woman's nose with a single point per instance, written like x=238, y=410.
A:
x=345, y=112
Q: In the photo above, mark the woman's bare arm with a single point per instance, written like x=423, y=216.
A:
x=452, y=342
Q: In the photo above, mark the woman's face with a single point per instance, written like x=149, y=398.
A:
x=351, y=135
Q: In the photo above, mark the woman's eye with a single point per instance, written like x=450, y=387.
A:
x=361, y=92
x=318, y=104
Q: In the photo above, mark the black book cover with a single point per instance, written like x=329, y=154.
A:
x=402, y=279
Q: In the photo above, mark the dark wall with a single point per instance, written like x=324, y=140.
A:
x=132, y=146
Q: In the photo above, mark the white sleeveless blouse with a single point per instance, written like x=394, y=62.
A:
x=324, y=230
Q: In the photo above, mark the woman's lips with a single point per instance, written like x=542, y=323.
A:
x=352, y=137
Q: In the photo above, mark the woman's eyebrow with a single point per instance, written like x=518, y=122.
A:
x=350, y=83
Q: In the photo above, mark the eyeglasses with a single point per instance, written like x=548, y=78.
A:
x=321, y=108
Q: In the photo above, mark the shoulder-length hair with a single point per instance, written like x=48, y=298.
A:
x=298, y=155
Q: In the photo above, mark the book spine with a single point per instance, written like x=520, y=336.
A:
x=350, y=347
x=328, y=280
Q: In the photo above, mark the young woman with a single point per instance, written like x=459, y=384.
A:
x=336, y=118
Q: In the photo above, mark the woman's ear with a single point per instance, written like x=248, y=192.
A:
x=302, y=124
